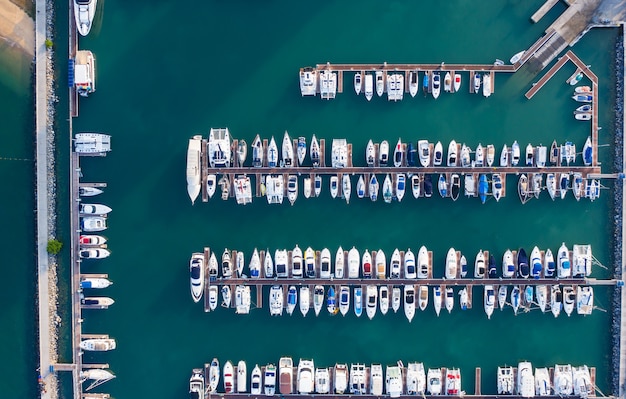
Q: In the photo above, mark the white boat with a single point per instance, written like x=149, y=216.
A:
x=394, y=382
x=328, y=84
x=357, y=83
x=369, y=86
x=542, y=382
x=213, y=297
x=583, y=260
x=346, y=187
x=334, y=186
x=469, y=185
x=357, y=379
x=423, y=265
x=84, y=11
x=438, y=154
x=193, y=167
x=463, y=266
x=452, y=154
x=447, y=82
x=502, y=294
x=436, y=87
x=517, y=57
x=306, y=376
x=437, y=299
x=285, y=375
x=583, y=98
x=568, y=152
x=226, y=296
x=398, y=154
x=344, y=299
x=422, y=297
x=268, y=265
x=243, y=190
x=515, y=153
x=306, y=183
x=94, y=253
x=536, y=184
x=91, y=240
x=577, y=185
x=582, y=382
x=383, y=294
x=317, y=185
x=339, y=263
x=396, y=299
x=371, y=299
x=563, y=184
x=98, y=302
x=556, y=300
x=242, y=151
x=394, y=265
x=564, y=269
x=451, y=270
x=301, y=150
x=360, y=187
x=416, y=185
x=395, y=87
x=370, y=153
x=506, y=381
x=410, y=272
x=373, y=187
x=479, y=264
x=287, y=151
x=196, y=276
x=211, y=184
x=413, y=83
x=496, y=186
x=96, y=375
x=224, y=183
x=504, y=156
x=588, y=152
x=219, y=148
x=515, y=298
x=242, y=383
x=325, y=272
x=434, y=383
x=541, y=294
x=258, y=156
x=490, y=154
x=281, y=267
x=381, y=266
x=308, y=81
x=486, y=85
x=322, y=381
x=457, y=82
x=383, y=153
x=358, y=301
x=92, y=143
x=569, y=299
x=353, y=262
x=508, y=267
x=479, y=159
x=276, y=300
x=85, y=72
x=449, y=299
x=453, y=382
x=340, y=376
x=489, y=300
x=548, y=264
x=196, y=384
x=214, y=375
x=387, y=189
x=314, y=151
x=423, y=149
x=98, y=344
x=255, y=380
x=376, y=379
x=409, y=302
x=563, y=380
x=227, y=264
x=305, y=300
x=525, y=380
x=94, y=282
x=292, y=299
x=466, y=161
x=584, y=300
x=400, y=186
x=477, y=79
x=269, y=380
x=551, y=185
x=380, y=84
x=88, y=191
x=292, y=188
x=272, y=154
x=318, y=299
x=415, y=379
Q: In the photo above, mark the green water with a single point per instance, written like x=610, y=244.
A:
x=167, y=72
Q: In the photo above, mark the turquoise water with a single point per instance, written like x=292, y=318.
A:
x=165, y=74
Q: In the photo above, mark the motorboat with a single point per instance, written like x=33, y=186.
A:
x=322, y=381
x=308, y=81
x=556, y=300
x=242, y=152
x=588, y=152
x=413, y=85
x=451, y=270
x=398, y=154
x=530, y=155
x=426, y=83
x=287, y=151
x=98, y=344
x=453, y=382
x=409, y=265
x=415, y=379
x=383, y=153
x=542, y=382
x=523, y=269
x=479, y=160
x=94, y=282
x=396, y=299
x=84, y=66
x=369, y=86
x=536, y=184
x=344, y=299
x=258, y=157
x=463, y=266
x=479, y=265
x=317, y=185
x=269, y=380
x=373, y=188
x=496, y=186
x=583, y=387
x=376, y=379
x=541, y=294
x=306, y=187
x=358, y=83
x=339, y=260
x=483, y=188
x=584, y=300
x=428, y=186
x=442, y=186
x=334, y=186
x=272, y=154
x=437, y=299
x=400, y=186
x=394, y=382
x=371, y=299
x=94, y=253
x=370, y=154
x=325, y=272
x=416, y=185
x=227, y=264
x=514, y=60
x=508, y=267
x=490, y=154
x=314, y=151
x=346, y=187
x=196, y=384
x=353, y=262
x=436, y=89
x=447, y=82
x=358, y=301
x=515, y=153
x=211, y=184
x=214, y=375
x=226, y=296
x=357, y=379
x=331, y=301
x=563, y=380
x=301, y=150
x=423, y=150
x=318, y=299
x=328, y=84
x=423, y=264
x=551, y=185
x=387, y=189
x=409, y=302
x=434, y=383
x=84, y=11
x=196, y=276
x=422, y=297
x=548, y=264
x=502, y=294
x=93, y=209
x=213, y=297
x=285, y=375
x=569, y=299
x=541, y=156
x=306, y=376
x=469, y=185
x=224, y=183
x=583, y=98
x=535, y=263
x=305, y=300
x=276, y=300
x=504, y=156
x=98, y=302
x=486, y=85
x=525, y=380
x=292, y=299
x=383, y=294
x=452, y=154
x=242, y=377
x=583, y=109
x=88, y=191
x=564, y=269
x=477, y=81
x=438, y=154
x=91, y=240
x=491, y=267
x=255, y=380
x=380, y=84
x=449, y=299
x=309, y=263
x=340, y=374
x=457, y=82
x=193, y=167
x=515, y=298
x=506, y=380
x=577, y=185
x=394, y=265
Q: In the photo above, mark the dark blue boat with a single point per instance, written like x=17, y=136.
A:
x=428, y=186
x=410, y=154
x=483, y=188
x=493, y=271
x=523, y=270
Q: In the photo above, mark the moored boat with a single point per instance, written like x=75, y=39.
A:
x=413, y=85
x=451, y=264
x=383, y=153
x=380, y=84
x=88, y=191
x=436, y=88
x=308, y=81
x=305, y=300
x=84, y=12
x=196, y=384
x=496, y=186
x=98, y=344
x=334, y=186
x=542, y=382
x=369, y=86
x=318, y=299
x=269, y=380
x=447, y=82
x=416, y=185
x=196, y=273
x=242, y=383
x=434, y=381
x=437, y=299
x=504, y=156
x=285, y=375
x=398, y=154
x=438, y=154
x=346, y=187
x=423, y=149
x=371, y=301
x=344, y=299
x=400, y=186
x=383, y=295
x=506, y=379
x=409, y=302
x=340, y=376
x=373, y=188
x=486, y=85
x=452, y=153
x=387, y=189
x=357, y=83
x=214, y=375
x=370, y=153
x=255, y=380
x=525, y=380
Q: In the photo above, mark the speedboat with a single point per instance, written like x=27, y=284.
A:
x=496, y=186
x=94, y=253
x=398, y=154
x=542, y=382
x=535, y=263
x=255, y=380
x=196, y=384
x=514, y=60
x=88, y=191
x=508, y=267
x=451, y=264
x=357, y=83
x=563, y=380
x=422, y=297
x=214, y=375
x=272, y=154
x=308, y=81
x=344, y=299
x=438, y=154
x=383, y=153
x=434, y=384
x=452, y=153
x=226, y=296
x=241, y=377
x=331, y=301
x=477, y=79
x=556, y=300
x=305, y=377
x=91, y=240
x=94, y=282
x=346, y=187
x=423, y=149
x=396, y=295
x=463, y=266
x=400, y=186
x=428, y=186
x=447, y=82
x=425, y=83
x=387, y=189
x=196, y=273
x=453, y=382
x=322, y=381
x=523, y=269
x=530, y=155
x=525, y=380
x=269, y=380
x=548, y=264
x=506, y=383
x=527, y=299
x=569, y=299
x=583, y=109
x=306, y=187
x=442, y=186
x=339, y=260
x=394, y=265
x=409, y=265
x=370, y=153
x=211, y=184
x=437, y=299
x=564, y=269
x=409, y=302
x=504, y=156
x=369, y=86
x=416, y=185
x=325, y=272
x=99, y=302
x=588, y=152
x=285, y=375
x=479, y=265
x=305, y=300
x=383, y=294
x=380, y=84
x=84, y=11
x=334, y=186
x=584, y=300
x=314, y=151
x=490, y=154
x=193, y=164
x=582, y=89
x=353, y=262
x=213, y=297
x=541, y=293
x=449, y=299
x=436, y=89
x=276, y=300
x=98, y=344
x=423, y=265
x=371, y=299
x=502, y=294
x=358, y=301
x=515, y=153
x=227, y=264
x=93, y=209
x=318, y=299
x=413, y=85
x=292, y=300
x=340, y=377
x=287, y=151
x=515, y=298
x=582, y=382
x=486, y=85
x=317, y=185
x=394, y=381
x=479, y=156
x=373, y=188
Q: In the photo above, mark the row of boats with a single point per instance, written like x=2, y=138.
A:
x=93, y=218
x=397, y=380
x=583, y=94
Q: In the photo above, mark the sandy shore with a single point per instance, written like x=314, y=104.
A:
x=16, y=27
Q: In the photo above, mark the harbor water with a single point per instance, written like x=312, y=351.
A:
x=165, y=74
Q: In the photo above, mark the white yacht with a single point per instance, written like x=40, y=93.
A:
x=422, y=295
x=563, y=380
x=508, y=267
x=515, y=153
x=369, y=86
x=423, y=150
x=381, y=266
x=196, y=384
x=340, y=378
x=339, y=263
x=318, y=299
x=453, y=149
x=394, y=381
x=219, y=148
x=98, y=344
x=490, y=300
x=322, y=381
x=92, y=143
x=564, y=269
x=193, y=167
x=451, y=264
x=269, y=380
x=479, y=264
x=353, y=262
x=84, y=11
x=242, y=383
x=371, y=299
x=541, y=294
x=274, y=189
x=242, y=299
x=344, y=299
x=305, y=377
x=196, y=276
x=85, y=72
x=258, y=156
x=409, y=265
x=305, y=300
x=324, y=264
x=556, y=300
x=358, y=83
x=211, y=184
x=93, y=282
x=434, y=383
x=380, y=84
x=292, y=189
x=255, y=380
x=376, y=380
x=423, y=265
x=346, y=187
x=525, y=380
x=370, y=153
x=387, y=189
x=334, y=186
x=373, y=187
x=437, y=299
x=449, y=299
x=383, y=294
x=415, y=379
x=97, y=302
x=542, y=382
x=396, y=298
x=360, y=187
x=416, y=185
x=503, y=292
x=409, y=302
x=276, y=300
x=504, y=156
x=214, y=375
x=383, y=153
x=308, y=81
x=413, y=83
